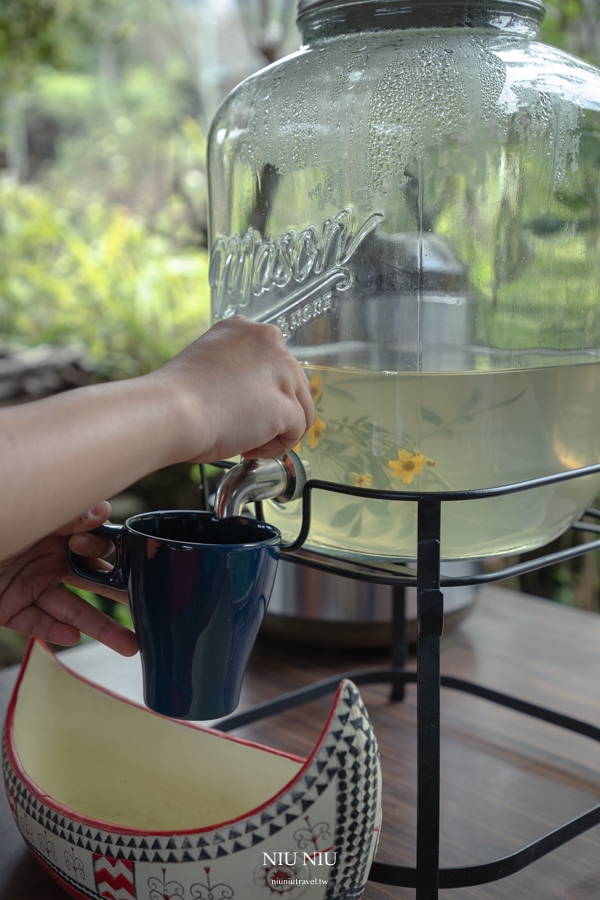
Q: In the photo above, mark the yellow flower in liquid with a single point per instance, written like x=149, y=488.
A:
x=361, y=481
x=407, y=466
x=316, y=387
x=315, y=432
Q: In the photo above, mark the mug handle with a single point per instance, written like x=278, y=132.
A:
x=116, y=577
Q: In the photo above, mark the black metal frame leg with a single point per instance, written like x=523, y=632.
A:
x=399, y=643
x=458, y=876
x=430, y=623
x=426, y=876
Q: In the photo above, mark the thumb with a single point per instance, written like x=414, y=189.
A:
x=88, y=520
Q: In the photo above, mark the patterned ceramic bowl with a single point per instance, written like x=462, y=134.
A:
x=117, y=802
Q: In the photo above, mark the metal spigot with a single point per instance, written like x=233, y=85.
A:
x=280, y=479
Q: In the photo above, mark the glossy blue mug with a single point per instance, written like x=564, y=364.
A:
x=198, y=589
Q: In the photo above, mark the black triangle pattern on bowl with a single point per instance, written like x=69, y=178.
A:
x=347, y=761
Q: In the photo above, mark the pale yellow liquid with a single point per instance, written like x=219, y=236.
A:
x=459, y=431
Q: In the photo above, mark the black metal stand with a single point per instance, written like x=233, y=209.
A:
x=426, y=876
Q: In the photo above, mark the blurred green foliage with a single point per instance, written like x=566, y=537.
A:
x=100, y=277
x=567, y=21
x=103, y=195
x=34, y=31
x=118, y=611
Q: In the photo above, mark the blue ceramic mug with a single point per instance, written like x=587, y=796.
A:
x=198, y=589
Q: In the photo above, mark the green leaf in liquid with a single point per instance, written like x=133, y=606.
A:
x=472, y=401
x=430, y=416
x=341, y=393
x=335, y=446
x=379, y=508
x=346, y=515
x=356, y=528
x=509, y=401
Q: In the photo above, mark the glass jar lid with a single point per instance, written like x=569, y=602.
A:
x=536, y=6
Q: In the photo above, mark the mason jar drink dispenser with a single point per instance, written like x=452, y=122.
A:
x=414, y=199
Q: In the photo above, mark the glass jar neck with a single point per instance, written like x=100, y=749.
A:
x=337, y=17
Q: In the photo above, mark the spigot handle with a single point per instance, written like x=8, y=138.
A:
x=280, y=479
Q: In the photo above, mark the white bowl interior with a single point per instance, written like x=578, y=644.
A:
x=121, y=764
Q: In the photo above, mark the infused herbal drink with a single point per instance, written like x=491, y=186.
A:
x=444, y=432
x=413, y=198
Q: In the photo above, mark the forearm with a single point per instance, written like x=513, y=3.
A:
x=236, y=389
x=63, y=455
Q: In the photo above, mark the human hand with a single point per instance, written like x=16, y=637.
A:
x=34, y=600
x=240, y=391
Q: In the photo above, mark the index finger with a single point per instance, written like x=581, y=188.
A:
x=67, y=608
x=306, y=401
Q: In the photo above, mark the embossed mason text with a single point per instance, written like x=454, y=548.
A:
x=295, y=268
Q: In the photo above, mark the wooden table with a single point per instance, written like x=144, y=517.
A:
x=506, y=778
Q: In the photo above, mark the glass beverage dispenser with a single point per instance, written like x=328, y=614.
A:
x=414, y=199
